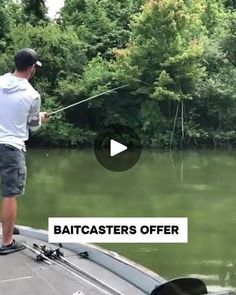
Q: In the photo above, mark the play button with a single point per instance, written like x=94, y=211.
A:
x=117, y=147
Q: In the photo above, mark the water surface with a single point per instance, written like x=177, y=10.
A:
x=200, y=185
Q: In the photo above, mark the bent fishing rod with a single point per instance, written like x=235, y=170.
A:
x=85, y=100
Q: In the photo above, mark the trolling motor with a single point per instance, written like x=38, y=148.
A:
x=185, y=286
x=181, y=286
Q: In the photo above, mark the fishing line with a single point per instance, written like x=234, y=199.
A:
x=85, y=100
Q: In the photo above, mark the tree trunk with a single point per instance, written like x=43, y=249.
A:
x=174, y=125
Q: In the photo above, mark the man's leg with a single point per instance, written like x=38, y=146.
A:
x=9, y=213
x=13, y=174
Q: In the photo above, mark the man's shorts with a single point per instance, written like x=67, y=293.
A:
x=12, y=171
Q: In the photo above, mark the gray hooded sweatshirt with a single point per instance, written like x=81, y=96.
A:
x=19, y=110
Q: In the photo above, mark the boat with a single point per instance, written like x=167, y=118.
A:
x=82, y=269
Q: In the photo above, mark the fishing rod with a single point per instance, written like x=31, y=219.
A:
x=39, y=255
x=49, y=256
x=58, y=255
x=85, y=100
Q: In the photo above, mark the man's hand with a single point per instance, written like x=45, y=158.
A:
x=43, y=117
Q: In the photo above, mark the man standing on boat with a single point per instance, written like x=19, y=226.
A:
x=19, y=112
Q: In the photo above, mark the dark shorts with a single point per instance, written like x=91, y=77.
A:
x=12, y=171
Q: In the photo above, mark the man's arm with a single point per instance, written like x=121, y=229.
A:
x=36, y=118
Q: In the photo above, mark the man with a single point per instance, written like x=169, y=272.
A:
x=19, y=112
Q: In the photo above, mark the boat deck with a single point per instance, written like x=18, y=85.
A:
x=21, y=274
x=100, y=273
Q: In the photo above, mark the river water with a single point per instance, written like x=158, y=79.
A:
x=200, y=185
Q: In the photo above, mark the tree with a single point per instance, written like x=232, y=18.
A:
x=8, y=15
x=178, y=58
x=34, y=11
x=214, y=111
x=166, y=46
x=101, y=24
x=230, y=4
x=4, y=19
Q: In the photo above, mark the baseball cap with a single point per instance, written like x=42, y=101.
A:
x=26, y=57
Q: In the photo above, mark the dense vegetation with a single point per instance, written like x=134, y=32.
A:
x=178, y=57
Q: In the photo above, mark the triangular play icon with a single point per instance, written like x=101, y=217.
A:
x=116, y=148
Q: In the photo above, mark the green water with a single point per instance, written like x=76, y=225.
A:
x=200, y=185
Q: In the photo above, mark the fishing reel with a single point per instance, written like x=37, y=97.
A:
x=48, y=252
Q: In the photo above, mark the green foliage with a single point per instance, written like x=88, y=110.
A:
x=61, y=134
x=101, y=24
x=4, y=19
x=34, y=11
x=178, y=58
x=166, y=47
x=230, y=4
